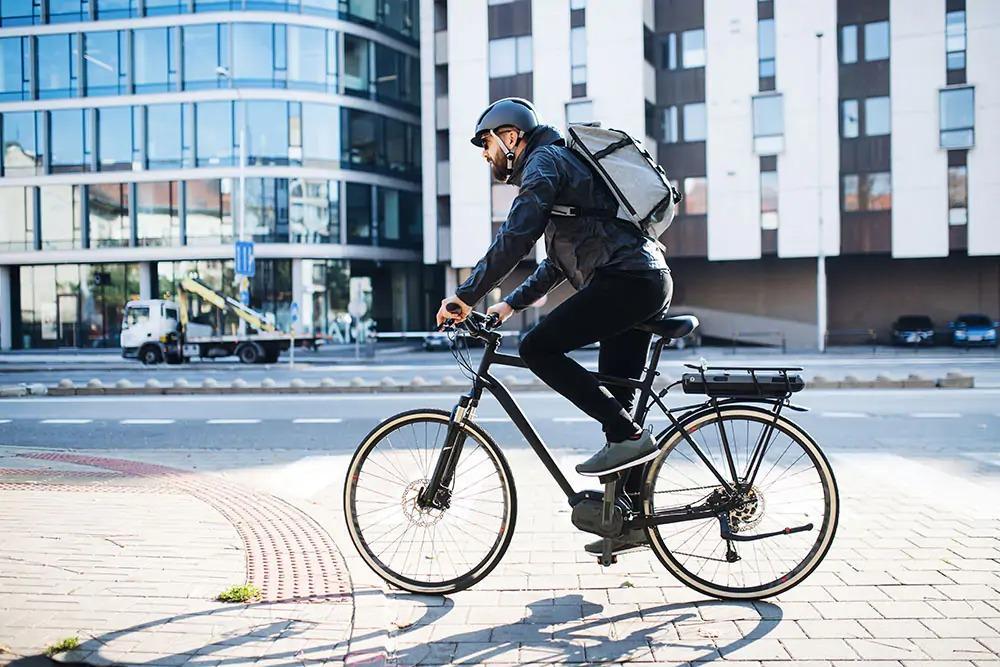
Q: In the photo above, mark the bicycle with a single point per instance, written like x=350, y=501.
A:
x=712, y=517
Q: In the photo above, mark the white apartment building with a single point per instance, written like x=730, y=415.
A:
x=870, y=126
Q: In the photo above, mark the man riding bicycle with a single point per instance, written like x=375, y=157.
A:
x=621, y=277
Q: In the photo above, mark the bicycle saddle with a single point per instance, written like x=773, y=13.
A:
x=670, y=327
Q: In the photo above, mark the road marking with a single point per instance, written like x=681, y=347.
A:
x=572, y=420
x=935, y=415
x=5, y=421
x=66, y=421
x=487, y=420
x=233, y=421
x=317, y=420
x=844, y=415
x=146, y=421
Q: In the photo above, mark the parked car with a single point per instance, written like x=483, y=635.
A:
x=437, y=340
x=913, y=330
x=973, y=329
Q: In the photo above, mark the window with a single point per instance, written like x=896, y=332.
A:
x=692, y=48
x=156, y=210
x=510, y=56
x=578, y=55
x=107, y=205
x=957, y=117
x=768, y=199
x=670, y=51
x=66, y=11
x=104, y=54
x=57, y=73
x=60, y=216
x=361, y=146
x=267, y=209
x=163, y=136
x=308, y=56
x=768, y=124
x=958, y=195
x=848, y=44
x=765, y=47
x=267, y=132
x=356, y=64
x=695, y=196
x=214, y=132
x=954, y=40
x=877, y=41
x=20, y=143
x=136, y=315
x=155, y=59
x=254, y=53
x=208, y=208
x=397, y=76
x=15, y=68
x=579, y=112
x=20, y=12
x=205, y=56
x=867, y=192
x=877, y=118
x=849, y=119
x=320, y=135
x=359, y=213
x=18, y=229
x=669, y=132
x=68, y=135
x=694, y=122
x=114, y=138
x=314, y=211
x=117, y=9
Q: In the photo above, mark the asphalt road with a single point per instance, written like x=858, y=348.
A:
x=961, y=425
x=403, y=364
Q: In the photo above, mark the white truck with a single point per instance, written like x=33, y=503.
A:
x=157, y=330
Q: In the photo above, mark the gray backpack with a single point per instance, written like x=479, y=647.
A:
x=644, y=194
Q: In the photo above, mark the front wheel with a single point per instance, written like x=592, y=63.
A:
x=794, y=487
x=423, y=549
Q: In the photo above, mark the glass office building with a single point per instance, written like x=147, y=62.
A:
x=121, y=124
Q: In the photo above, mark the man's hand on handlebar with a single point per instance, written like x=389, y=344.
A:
x=452, y=311
x=502, y=311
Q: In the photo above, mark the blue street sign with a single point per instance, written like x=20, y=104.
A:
x=295, y=311
x=245, y=264
x=245, y=298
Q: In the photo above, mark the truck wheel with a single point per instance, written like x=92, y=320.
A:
x=249, y=353
x=150, y=355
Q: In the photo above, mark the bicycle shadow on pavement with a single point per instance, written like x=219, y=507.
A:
x=572, y=629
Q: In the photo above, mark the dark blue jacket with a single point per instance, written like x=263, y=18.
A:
x=548, y=173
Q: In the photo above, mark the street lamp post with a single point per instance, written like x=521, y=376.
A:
x=821, y=251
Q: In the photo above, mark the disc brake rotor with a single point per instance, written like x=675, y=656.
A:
x=415, y=514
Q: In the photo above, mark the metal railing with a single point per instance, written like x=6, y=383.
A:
x=870, y=334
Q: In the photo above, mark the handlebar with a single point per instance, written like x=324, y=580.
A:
x=476, y=323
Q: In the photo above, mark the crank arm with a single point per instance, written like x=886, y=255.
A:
x=727, y=534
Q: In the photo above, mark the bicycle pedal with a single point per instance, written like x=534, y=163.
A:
x=607, y=562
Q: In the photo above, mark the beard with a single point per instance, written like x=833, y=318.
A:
x=499, y=168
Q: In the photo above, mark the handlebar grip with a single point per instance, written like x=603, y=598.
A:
x=454, y=308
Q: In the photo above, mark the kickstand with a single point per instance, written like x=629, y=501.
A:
x=607, y=558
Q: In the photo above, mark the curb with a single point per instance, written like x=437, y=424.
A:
x=388, y=385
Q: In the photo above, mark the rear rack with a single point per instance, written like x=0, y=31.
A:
x=792, y=384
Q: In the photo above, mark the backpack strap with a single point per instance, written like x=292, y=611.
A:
x=567, y=211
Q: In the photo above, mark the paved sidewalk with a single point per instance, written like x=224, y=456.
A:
x=129, y=562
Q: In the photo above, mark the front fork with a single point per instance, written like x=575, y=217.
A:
x=437, y=493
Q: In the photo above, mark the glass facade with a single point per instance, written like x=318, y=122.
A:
x=80, y=304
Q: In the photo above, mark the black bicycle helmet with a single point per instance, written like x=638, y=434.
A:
x=507, y=112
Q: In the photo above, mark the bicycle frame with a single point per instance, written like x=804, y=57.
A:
x=437, y=494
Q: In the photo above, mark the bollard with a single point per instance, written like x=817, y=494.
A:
x=123, y=384
x=388, y=382
x=268, y=383
x=357, y=382
x=181, y=383
x=327, y=382
x=209, y=383
x=239, y=383
x=65, y=383
x=418, y=381
x=94, y=384
x=153, y=383
x=298, y=383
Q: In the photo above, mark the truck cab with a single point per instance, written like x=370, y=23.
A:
x=146, y=325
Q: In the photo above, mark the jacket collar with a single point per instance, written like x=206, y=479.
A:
x=542, y=135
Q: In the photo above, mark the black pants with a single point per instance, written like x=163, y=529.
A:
x=605, y=310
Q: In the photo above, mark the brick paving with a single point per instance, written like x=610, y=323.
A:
x=912, y=579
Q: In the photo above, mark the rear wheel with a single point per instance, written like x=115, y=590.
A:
x=249, y=353
x=422, y=549
x=794, y=487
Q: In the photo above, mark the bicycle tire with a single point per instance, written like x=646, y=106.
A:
x=708, y=417
x=409, y=583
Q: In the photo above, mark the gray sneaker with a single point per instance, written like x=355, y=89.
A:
x=620, y=455
x=631, y=539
